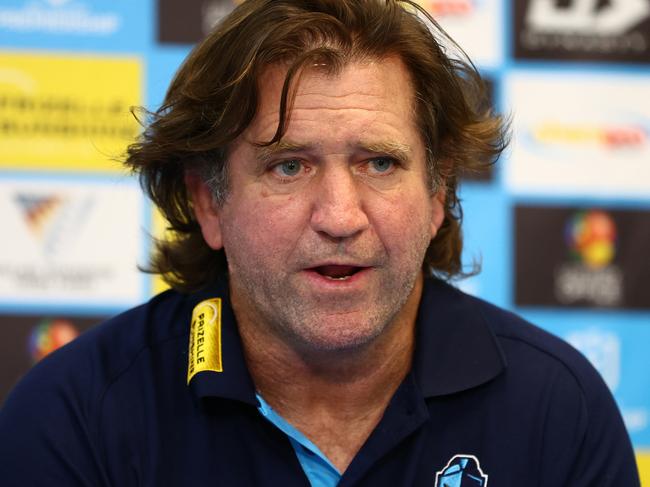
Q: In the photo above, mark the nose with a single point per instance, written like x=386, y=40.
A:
x=338, y=210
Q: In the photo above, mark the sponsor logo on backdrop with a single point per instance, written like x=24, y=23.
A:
x=604, y=350
x=38, y=210
x=643, y=462
x=66, y=112
x=613, y=30
x=190, y=21
x=72, y=242
x=25, y=339
x=474, y=24
x=593, y=131
x=636, y=420
x=59, y=17
x=214, y=10
x=54, y=219
x=443, y=8
x=581, y=136
x=589, y=275
x=49, y=335
x=582, y=257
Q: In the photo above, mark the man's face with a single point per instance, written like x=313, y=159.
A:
x=325, y=233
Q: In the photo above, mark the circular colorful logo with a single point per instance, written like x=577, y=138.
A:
x=591, y=238
x=49, y=335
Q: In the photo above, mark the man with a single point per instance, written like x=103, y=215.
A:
x=306, y=158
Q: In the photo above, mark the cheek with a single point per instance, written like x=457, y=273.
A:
x=262, y=227
x=405, y=224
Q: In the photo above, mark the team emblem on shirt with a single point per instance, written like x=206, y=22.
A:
x=462, y=471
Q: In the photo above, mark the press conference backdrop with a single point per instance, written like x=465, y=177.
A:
x=561, y=224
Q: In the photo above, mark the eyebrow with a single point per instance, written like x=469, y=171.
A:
x=399, y=151
x=264, y=153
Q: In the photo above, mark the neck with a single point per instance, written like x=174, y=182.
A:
x=329, y=394
x=343, y=382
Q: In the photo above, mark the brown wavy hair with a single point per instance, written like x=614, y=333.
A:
x=213, y=98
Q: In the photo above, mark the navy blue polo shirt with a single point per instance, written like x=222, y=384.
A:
x=490, y=400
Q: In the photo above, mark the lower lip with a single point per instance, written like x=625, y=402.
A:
x=352, y=281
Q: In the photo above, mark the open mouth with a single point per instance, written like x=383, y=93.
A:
x=337, y=272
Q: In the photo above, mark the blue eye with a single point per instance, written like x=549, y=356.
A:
x=289, y=168
x=382, y=164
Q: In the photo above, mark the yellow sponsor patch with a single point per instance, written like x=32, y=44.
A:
x=643, y=461
x=67, y=112
x=205, y=338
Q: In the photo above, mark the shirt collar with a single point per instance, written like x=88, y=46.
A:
x=455, y=348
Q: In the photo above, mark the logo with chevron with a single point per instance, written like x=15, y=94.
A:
x=462, y=471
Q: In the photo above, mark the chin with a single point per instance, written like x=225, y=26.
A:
x=346, y=336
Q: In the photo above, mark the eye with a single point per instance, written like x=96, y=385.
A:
x=382, y=164
x=288, y=168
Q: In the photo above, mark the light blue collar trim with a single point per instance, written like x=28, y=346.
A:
x=318, y=468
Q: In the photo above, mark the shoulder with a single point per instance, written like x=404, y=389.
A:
x=77, y=400
x=521, y=363
x=82, y=372
x=527, y=346
x=103, y=353
x=583, y=437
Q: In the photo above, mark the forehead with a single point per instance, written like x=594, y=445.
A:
x=378, y=92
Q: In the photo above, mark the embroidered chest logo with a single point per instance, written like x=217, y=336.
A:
x=462, y=471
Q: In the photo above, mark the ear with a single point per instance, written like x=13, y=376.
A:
x=438, y=211
x=205, y=210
